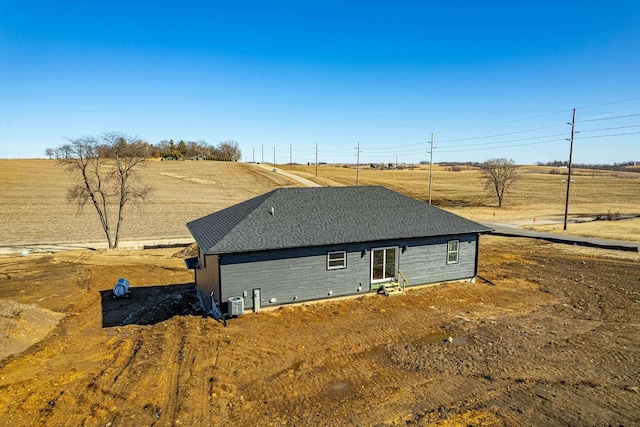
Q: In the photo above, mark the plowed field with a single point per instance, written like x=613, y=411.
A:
x=555, y=342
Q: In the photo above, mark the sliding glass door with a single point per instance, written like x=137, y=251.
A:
x=384, y=264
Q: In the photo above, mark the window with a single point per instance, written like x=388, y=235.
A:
x=384, y=263
x=336, y=260
x=452, y=251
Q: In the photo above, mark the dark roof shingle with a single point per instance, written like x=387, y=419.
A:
x=323, y=216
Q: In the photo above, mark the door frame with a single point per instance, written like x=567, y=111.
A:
x=376, y=282
x=257, y=302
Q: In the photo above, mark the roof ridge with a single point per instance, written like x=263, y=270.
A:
x=265, y=196
x=203, y=241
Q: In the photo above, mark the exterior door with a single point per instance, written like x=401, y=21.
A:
x=384, y=265
x=256, y=300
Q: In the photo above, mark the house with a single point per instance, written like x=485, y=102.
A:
x=302, y=244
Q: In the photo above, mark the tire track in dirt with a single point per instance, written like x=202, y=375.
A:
x=185, y=399
x=197, y=408
x=181, y=358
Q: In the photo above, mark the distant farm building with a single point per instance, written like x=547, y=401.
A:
x=302, y=244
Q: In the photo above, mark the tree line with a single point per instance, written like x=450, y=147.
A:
x=201, y=150
x=225, y=151
x=616, y=166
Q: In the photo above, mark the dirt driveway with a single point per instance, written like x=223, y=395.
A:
x=556, y=342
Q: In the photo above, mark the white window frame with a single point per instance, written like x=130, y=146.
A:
x=450, y=251
x=384, y=261
x=337, y=267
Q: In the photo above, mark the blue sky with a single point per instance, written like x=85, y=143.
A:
x=491, y=79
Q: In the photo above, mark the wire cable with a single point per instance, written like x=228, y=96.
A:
x=609, y=103
x=504, y=146
x=500, y=134
x=606, y=136
x=601, y=129
x=504, y=123
x=541, y=115
x=607, y=118
x=510, y=140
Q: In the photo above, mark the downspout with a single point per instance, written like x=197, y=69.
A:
x=475, y=273
x=220, y=278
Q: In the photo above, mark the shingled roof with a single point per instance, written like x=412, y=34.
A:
x=302, y=217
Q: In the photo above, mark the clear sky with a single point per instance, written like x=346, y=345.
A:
x=481, y=75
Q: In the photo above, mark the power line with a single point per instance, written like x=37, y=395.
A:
x=541, y=115
x=601, y=129
x=609, y=103
x=505, y=123
x=395, y=148
x=350, y=150
x=504, y=146
x=614, y=134
x=541, y=127
x=399, y=146
x=510, y=140
x=501, y=134
x=608, y=118
x=392, y=151
x=408, y=149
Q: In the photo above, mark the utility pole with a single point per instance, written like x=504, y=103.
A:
x=262, y=154
x=316, y=159
x=566, y=204
x=430, y=167
x=254, y=154
x=290, y=156
x=396, y=162
x=357, y=162
x=274, y=156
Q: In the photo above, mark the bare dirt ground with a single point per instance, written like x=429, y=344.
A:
x=556, y=342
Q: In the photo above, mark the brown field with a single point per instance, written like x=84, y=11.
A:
x=538, y=194
x=628, y=229
x=556, y=342
x=34, y=208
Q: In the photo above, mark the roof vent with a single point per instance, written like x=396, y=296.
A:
x=273, y=210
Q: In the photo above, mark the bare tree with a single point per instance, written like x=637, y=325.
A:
x=229, y=150
x=49, y=153
x=193, y=149
x=62, y=152
x=499, y=175
x=106, y=169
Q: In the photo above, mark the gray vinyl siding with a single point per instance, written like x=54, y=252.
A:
x=293, y=275
x=296, y=275
x=207, y=279
x=425, y=260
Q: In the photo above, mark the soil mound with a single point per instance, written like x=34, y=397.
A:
x=23, y=325
x=189, y=251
